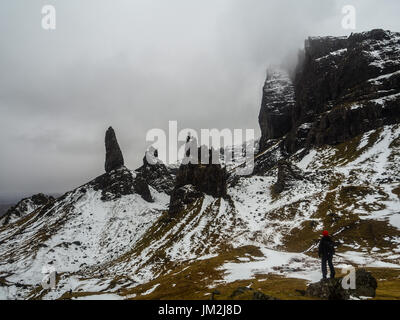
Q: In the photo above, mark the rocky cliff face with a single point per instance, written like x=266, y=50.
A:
x=342, y=87
x=345, y=86
x=276, y=107
x=194, y=180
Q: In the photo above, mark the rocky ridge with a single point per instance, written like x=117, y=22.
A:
x=25, y=207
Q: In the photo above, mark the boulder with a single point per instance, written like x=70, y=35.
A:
x=366, y=284
x=332, y=289
x=329, y=289
x=141, y=187
x=194, y=180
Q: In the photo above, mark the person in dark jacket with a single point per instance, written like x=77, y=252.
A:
x=326, y=250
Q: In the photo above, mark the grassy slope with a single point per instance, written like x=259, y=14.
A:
x=344, y=198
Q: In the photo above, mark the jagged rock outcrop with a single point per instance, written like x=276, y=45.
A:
x=121, y=182
x=276, y=108
x=332, y=289
x=287, y=175
x=156, y=173
x=114, y=158
x=209, y=178
x=345, y=87
x=183, y=196
x=24, y=207
x=141, y=187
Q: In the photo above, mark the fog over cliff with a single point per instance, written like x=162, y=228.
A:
x=137, y=64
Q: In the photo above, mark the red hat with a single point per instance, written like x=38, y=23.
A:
x=325, y=233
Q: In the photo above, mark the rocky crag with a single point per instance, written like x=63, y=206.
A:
x=344, y=86
x=24, y=207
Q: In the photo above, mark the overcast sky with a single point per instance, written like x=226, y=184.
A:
x=135, y=65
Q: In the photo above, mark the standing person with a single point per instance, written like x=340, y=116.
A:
x=326, y=250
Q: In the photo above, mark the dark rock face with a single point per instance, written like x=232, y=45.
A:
x=119, y=183
x=276, y=108
x=210, y=179
x=156, y=174
x=321, y=46
x=329, y=289
x=114, y=158
x=347, y=86
x=344, y=86
x=141, y=187
x=118, y=180
x=287, y=175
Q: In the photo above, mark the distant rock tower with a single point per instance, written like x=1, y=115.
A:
x=114, y=158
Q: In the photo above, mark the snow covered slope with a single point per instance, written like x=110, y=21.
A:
x=106, y=246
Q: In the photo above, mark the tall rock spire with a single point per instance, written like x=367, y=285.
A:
x=114, y=158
